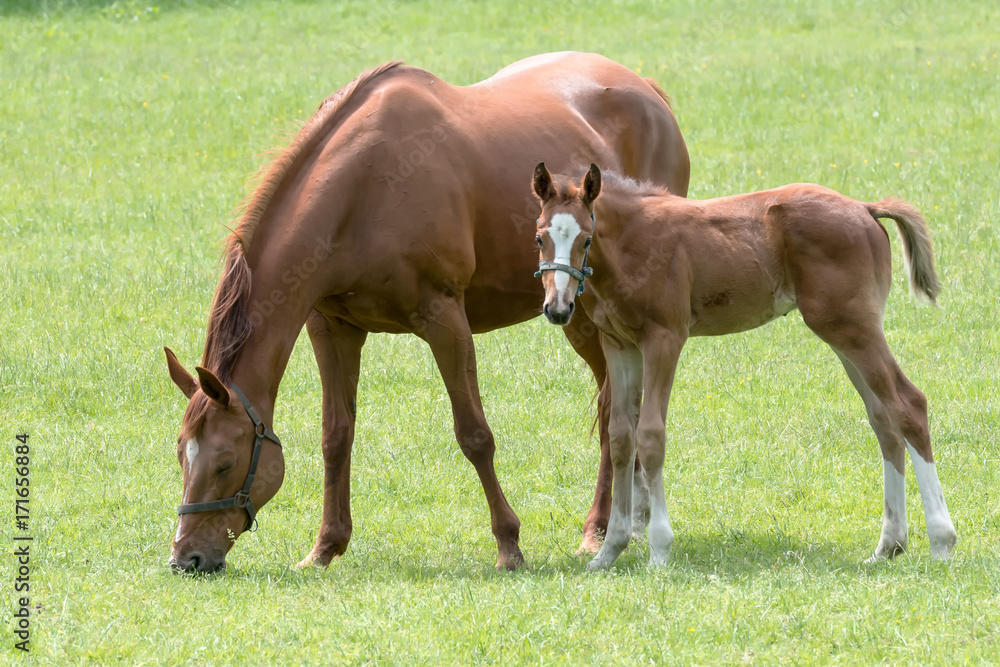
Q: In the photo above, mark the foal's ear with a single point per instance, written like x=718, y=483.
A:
x=542, y=183
x=591, y=184
x=184, y=380
x=213, y=387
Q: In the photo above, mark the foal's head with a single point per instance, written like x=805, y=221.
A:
x=215, y=448
x=564, y=232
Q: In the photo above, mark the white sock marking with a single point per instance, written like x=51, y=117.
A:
x=894, y=528
x=661, y=535
x=940, y=529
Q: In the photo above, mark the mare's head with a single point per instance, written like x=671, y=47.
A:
x=564, y=233
x=215, y=449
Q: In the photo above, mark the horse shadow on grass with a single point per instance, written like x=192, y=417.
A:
x=723, y=553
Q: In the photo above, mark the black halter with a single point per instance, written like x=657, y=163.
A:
x=580, y=274
x=242, y=497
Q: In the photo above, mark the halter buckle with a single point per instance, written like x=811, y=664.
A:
x=241, y=499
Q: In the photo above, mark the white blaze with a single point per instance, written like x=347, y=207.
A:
x=563, y=231
x=191, y=453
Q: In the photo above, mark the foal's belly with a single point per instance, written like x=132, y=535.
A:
x=726, y=312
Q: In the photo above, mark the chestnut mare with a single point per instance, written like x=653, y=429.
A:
x=397, y=208
x=665, y=268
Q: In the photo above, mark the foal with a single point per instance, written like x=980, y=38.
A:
x=665, y=268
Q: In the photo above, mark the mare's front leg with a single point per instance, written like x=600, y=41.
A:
x=337, y=346
x=625, y=378
x=441, y=321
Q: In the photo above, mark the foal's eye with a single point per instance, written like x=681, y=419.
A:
x=538, y=240
x=224, y=468
x=586, y=244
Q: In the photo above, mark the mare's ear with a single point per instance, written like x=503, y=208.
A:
x=184, y=380
x=213, y=387
x=591, y=184
x=542, y=183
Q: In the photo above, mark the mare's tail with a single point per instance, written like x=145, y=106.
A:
x=659, y=91
x=918, y=254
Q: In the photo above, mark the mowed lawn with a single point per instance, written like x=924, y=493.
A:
x=128, y=135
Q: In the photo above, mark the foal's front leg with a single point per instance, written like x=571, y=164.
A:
x=660, y=352
x=625, y=377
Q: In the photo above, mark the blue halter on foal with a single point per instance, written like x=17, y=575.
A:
x=242, y=497
x=580, y=274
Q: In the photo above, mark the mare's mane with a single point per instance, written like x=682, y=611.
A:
x=229, y=323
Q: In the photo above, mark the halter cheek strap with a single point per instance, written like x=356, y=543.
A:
x=580, y=274
x=242, y=497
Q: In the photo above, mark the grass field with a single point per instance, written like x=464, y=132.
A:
x=128, y=134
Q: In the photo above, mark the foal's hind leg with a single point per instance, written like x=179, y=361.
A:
x=337, y=347
x=894, y=528
x=446, y=330
x=862, y=342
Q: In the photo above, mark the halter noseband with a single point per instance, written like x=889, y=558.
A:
x=242, y=497
x=580, y=274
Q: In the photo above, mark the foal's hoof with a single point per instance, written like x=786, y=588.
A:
x=598, y=564
x=887, y=550
x=943, y=546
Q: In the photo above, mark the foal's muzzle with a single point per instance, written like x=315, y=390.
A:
x=557, y=315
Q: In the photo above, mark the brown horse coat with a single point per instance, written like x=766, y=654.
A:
x=666, y=268
x=399, y=208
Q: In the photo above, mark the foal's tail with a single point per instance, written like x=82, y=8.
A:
x=918, y=254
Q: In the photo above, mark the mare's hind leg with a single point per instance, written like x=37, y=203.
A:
x=894, y=528
x=450, y=338
x=337, y=347
x=857, y=335
x=586, y=340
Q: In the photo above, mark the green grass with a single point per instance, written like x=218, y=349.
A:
x=127, y=136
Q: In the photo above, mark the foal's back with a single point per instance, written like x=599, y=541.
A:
x=738, y=262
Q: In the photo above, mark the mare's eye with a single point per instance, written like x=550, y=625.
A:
x=586, y=244
x=538, y=240
x=224, y=468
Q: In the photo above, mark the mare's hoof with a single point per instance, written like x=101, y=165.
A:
x=511, y=561
x=591, y=545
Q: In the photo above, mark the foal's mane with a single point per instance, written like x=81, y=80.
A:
x=229, y=323
x=612, y=181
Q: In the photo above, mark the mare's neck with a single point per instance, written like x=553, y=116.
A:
x=278, y=314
